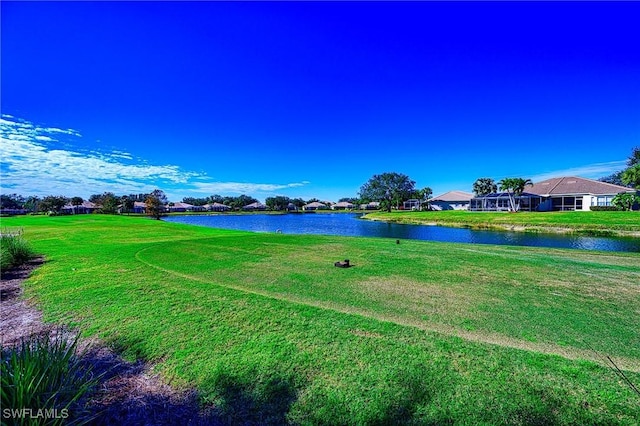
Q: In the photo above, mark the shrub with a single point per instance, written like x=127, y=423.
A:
x=45, y=373
x=604, y=209
x=14, y=250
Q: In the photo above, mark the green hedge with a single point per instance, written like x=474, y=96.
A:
x=605, y=209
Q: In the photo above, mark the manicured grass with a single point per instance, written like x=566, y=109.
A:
x=268, y=330
x=596, y=223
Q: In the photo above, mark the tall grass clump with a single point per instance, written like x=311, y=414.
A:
x=14, y=249
x=45, y=379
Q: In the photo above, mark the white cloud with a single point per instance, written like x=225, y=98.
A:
x=592, y=171
x=209, y=188
x=36, y=162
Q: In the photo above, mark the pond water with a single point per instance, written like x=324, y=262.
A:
x=345, y=224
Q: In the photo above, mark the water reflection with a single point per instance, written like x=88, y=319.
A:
x=351, y=225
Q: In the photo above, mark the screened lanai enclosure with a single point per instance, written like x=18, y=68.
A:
x=499, y=201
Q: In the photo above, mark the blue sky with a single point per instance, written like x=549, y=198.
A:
x=311, y=99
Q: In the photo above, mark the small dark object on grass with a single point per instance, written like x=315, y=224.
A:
x=344, y=264
x=397, y=241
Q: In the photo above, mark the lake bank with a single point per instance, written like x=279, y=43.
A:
x=597, y=224
x=350, y=225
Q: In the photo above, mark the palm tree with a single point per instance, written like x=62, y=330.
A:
x=514, y=188
x=484, y=186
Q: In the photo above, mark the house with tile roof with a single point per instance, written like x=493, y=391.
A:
x=575, y=193
x=216, y=207
x=314, y=206
x=183, y=207
x=342, y=205
x=452, y=200
x=255, y=206
x=85, y=208
x=555, y=194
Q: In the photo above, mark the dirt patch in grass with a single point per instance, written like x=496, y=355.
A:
x=129, y=393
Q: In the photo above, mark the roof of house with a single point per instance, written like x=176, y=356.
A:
x=452, y=196
x=256, y=205
x=181, y=206
x=139, y=204
x=315, y=204
x=216, y=205
x=85, y=204
x=343, y=204
x=571, y=185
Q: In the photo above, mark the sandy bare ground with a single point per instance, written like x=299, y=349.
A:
x=128, y=393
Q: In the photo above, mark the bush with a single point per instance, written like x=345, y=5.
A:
x=14, y=250
x=46, y=373
x=605, y=208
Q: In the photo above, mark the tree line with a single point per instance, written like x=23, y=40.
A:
x=390, y=189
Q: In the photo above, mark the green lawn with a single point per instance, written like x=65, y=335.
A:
x=597, y=223
x=268, y=330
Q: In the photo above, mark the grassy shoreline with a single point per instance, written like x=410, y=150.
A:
x=615, y=224
x=265, y=328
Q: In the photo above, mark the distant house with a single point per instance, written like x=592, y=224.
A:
x=556, y=194
x=292, y=207
x=412, y=204
x=374, y=205
x=216, y=207
x=343, y=205
x=180, y=207
x=452, y=200
x=255, y=206
x=314, y=206
x=11, y=212
x=85, y=208
x=139, y=207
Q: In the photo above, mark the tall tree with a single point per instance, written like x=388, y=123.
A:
x=128, y=203
x=634, y=158
x=53, y=203
x=75, y=202
x=298, y=202
x=155, y=203
x=484, y=186
x=215, y=198
x=631, y=176
x=110, y=203
x=351, y=200
x=387, y=188
x=12, y=201
x=514, y=187
x=32, y=203
x=277, y=203
x=195, y=201
x=614, y=178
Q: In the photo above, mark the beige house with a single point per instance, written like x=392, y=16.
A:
x=217, y=207
x=452, y=200
x=343, y=205
x=255, y=206
x=556, y=194
x=85, y=208
x=314, y=206
x=574, y=193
